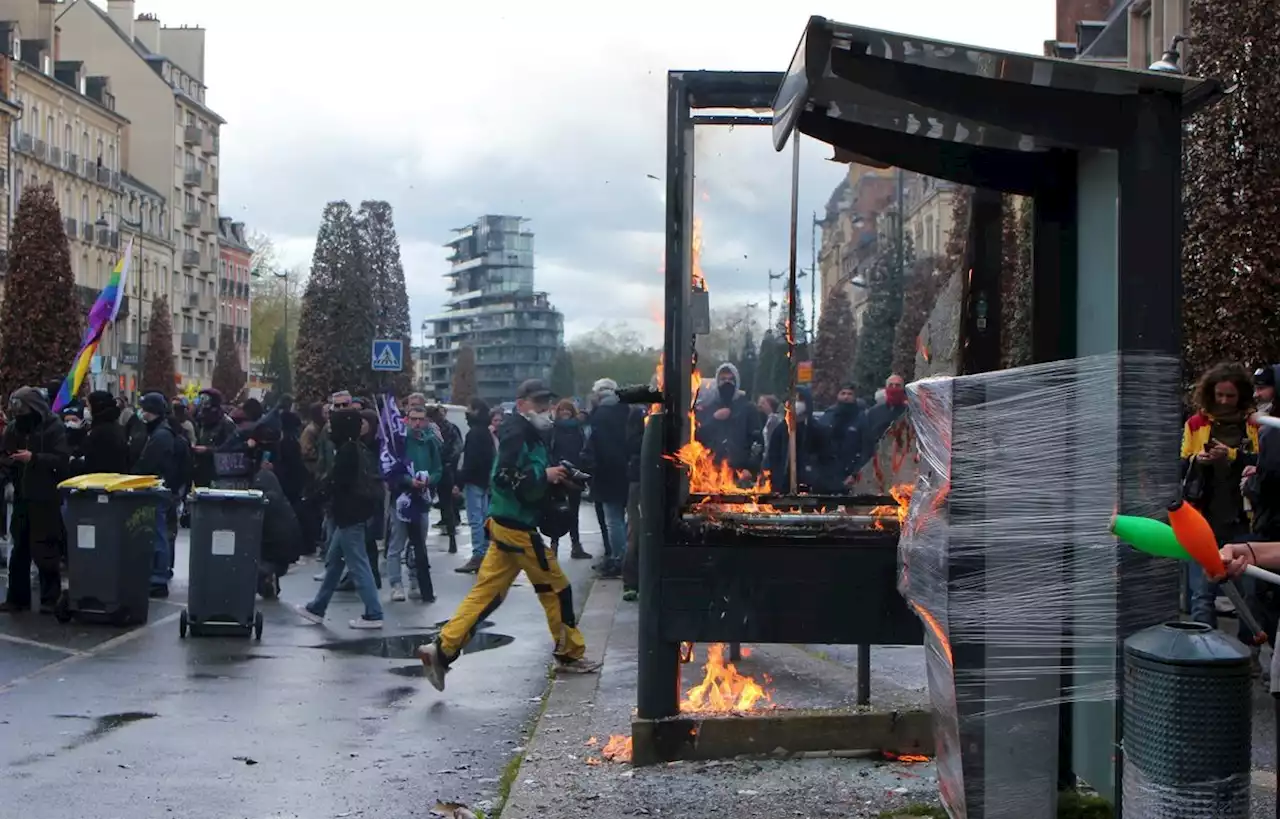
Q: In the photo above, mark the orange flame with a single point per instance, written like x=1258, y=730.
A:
x=699, y=280
x=708, y=476
x=907, y=758
x=902, y=496
x=617, y=749
x=723, y=689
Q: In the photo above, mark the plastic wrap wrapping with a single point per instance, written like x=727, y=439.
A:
x=1006, y=557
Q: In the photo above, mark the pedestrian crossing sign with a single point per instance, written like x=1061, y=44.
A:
x=388, y=355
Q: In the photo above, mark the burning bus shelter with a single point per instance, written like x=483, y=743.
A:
x=723, y=560
x=1025, y=636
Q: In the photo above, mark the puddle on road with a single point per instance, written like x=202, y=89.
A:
x=405, y=646
x=101, y=727
x=394, y=696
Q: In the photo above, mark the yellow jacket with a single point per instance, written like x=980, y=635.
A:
x=1196, y=432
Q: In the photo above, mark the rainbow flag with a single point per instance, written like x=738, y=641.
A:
x=101, y=315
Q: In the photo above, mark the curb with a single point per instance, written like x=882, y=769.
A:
x=567, y=694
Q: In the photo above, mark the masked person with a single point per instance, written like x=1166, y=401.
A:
x=350, y=505
x=729, y=424
x=37, y=458
x=105, y=447
x=844, y=423
x=410, y=480
x=879, y=418
x=811, y=442
x=521, y=477
x=73, y=423
x=159, y=458
x=213, y=430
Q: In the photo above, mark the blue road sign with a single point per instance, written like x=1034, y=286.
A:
x=388, y=355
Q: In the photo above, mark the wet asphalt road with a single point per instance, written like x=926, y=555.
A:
x=99, y=722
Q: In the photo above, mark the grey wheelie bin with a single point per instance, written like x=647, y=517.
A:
x=112, y=529
x=226, y=542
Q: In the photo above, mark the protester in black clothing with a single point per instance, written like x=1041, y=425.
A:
x=879, y=418
x=36, y=458
x=606, y=457
x=105, y=448
x=811, y=443
x=729, y=424
x=631, y=560
x=844, y=424
x=135, y=431
x=159, y=459
x=213, y=430
x=73, y=423
x=478, y=454
x=450, y=455
x=568, y=440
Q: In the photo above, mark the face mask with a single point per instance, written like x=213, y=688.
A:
x=28, y=421
x=71, y=422
x=728, y=390
x=540, y=420
x=895, y=396
x=149, y=416
x=801, y=407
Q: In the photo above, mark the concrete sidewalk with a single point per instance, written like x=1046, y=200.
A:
x=563, y=773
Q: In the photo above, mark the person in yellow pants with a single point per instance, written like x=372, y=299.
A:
x=521, y=476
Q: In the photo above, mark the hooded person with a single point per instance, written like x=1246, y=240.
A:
x=159, y=458
x=811, y=440
x=105, y=448
x=350, y=506
x=607, y=457
x=73, y=423
x=180, y=419
x=37, y=458
x=213, y=430
x=728, y=423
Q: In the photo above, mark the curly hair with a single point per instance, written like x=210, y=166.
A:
x=1226, y=371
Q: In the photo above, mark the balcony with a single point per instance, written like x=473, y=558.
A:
x=89, y=169
x=40, y=149
x=71, y=162
x=193, y=135
x=208, y=224
x=108, y=238
x=192, y=177
x=190, y=258
x=191, y=218
x=73, y=227
x=86, y=232
x=131, y=354
x=55, y=155
x=104, y=175
x=203, y=303
x=213, y=344
x=189, y=341
x=24, y=143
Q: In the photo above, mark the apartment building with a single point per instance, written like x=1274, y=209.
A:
x=158, y=79
x=235, y=262
x=1125, y=33
x=493, y=307
x=69, y=135
x=10, y=110
x=849, y=230
x=144, y=221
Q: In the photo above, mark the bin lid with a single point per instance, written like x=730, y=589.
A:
x=206, y=493
x=111, y=482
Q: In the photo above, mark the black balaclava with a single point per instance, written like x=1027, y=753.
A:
x=103, y=408
x=29, y=408
x=727, y=390
x=344, y=426
x=211, y=414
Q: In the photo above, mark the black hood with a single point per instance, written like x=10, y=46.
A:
x=344, y=425
x=29, y=399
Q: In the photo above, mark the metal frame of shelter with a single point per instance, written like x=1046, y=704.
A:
x=1098, y=150
x=775, y=589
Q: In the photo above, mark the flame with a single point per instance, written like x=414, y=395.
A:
x=617, y=749
x=901, y=494
x=723, y=689
x=707, y=476
x=699, y=280
x=907, y=758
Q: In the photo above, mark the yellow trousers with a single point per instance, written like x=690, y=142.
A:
x=512, y=551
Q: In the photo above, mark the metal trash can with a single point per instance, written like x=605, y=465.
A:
x=111, y=541
x=226, y=543
x=1187, y=724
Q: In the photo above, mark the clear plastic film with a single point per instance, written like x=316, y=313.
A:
x=1007, y=558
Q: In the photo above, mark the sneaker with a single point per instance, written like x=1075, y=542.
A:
x=432, y=666
x=580, y=553
x=397, y=595
x=318, y=577
x=630, y=595
x=579, y=666
x=310, y=616
x=366, y=623
x=472, y=566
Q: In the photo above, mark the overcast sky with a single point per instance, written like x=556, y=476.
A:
x=552, y=111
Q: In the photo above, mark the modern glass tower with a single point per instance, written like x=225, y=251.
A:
x=493, y=308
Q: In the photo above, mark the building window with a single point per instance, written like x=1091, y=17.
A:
x=17, y=187
x=84, y=144
x=49, y=132
x=67, y=141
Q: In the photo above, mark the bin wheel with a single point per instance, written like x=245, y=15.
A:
x=62, y=608
x=257, y=626
x=182, y=624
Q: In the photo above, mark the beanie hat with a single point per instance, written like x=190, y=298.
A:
x=154, y=403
